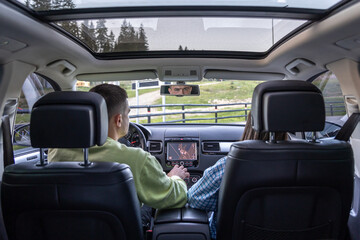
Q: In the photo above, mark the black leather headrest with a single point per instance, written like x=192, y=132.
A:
x=287, y=106
x=69, y=120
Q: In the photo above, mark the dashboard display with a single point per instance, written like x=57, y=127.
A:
x=181, y=151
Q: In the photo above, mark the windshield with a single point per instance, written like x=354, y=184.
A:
x=220, y=101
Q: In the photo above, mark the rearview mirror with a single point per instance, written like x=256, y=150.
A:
x=180, y=90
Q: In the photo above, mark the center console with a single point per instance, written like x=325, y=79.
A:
x=181, y=223
x=182, y=151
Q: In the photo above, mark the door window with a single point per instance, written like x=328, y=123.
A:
x=34, y=87
x=334, y=105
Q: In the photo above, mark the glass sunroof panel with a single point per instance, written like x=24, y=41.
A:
x=180, y=33
x=43, y=5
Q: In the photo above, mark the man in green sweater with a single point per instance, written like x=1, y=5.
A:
x=154, y=188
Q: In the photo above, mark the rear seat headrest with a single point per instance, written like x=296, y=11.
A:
x=69, y=120
x=287, y=106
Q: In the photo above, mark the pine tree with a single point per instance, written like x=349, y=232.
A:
x=84, y=30
x=27, y=3
x=68, y=4
x=57, y=4
x=41, y=5
x=70, y=26
x=102, y=40
x=87, y=35
x=62, y=4
x=92, y=37
x=143, y=42
x=128, y=39
x=112, y=41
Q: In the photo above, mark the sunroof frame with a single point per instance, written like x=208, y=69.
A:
x=311, y=15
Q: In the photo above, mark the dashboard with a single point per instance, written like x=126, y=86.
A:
x=195, y=146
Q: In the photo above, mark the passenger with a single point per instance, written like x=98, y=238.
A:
x=204, y=194
x=154, y=188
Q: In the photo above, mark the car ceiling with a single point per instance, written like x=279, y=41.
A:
x=33, y=41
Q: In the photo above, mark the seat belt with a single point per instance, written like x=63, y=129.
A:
x=345, y=132
x=7, y=141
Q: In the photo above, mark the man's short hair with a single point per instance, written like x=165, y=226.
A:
x=115, y=98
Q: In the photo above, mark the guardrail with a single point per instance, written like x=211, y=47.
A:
x=332, y=108
x=184, y=113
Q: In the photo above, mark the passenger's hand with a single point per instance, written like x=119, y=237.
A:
x=179, y=171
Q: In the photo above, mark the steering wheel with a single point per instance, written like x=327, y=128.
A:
x=134, y=138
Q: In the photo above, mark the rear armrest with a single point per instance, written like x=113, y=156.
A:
x=184, y=214
x=181, y=223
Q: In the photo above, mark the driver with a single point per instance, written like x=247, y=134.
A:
x=180, y=90
x=154, y=188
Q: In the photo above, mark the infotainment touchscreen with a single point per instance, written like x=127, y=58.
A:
x=181, y=151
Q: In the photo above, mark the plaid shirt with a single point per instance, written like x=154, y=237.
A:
x=204, y=194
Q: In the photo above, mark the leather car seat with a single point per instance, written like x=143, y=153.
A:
x=286, y=189
x=70, y=200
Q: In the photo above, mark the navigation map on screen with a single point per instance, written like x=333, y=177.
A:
x=181, y=151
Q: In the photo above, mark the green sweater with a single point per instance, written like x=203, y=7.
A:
x=154, y=188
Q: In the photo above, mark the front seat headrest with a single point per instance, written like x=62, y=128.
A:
x=287, y=106
x=69, y=120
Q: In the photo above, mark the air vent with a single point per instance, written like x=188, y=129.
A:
x=155, y=147
x=168, y=73
x=193, y=73
x=211, y=147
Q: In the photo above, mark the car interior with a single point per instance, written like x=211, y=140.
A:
x=301, y=59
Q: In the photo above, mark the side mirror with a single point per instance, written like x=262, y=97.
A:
x=22, y=135
x=180, y=90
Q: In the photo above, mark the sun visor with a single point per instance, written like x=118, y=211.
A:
x=118, y=76
x=240, y=75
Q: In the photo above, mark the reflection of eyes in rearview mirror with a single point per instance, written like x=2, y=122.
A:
x=180, y=90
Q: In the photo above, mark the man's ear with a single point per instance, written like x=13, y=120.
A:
x=118, y=120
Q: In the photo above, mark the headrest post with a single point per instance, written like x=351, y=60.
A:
x=42, y=158
x=313, y=137
x=86, y=157
x=272, y=137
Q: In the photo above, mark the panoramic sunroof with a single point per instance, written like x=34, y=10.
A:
x=44, y=5
x=180, y=33
x=255, y=27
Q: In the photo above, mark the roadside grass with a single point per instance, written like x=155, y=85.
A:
x=22, y=118
x=18, y=147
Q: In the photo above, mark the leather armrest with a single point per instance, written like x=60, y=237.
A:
x=185, y=214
